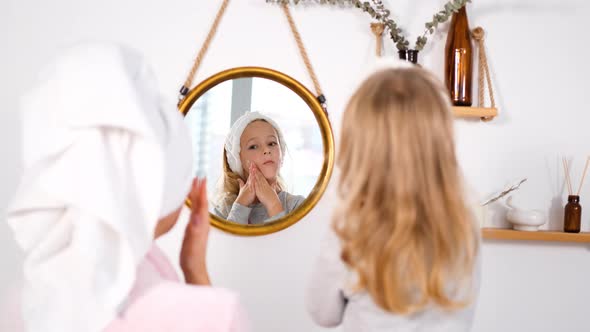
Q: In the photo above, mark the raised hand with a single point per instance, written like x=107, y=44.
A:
x=247, y=194
x=266, y=194
x=194, y=245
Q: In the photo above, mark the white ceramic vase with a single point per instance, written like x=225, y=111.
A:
x=524, y=220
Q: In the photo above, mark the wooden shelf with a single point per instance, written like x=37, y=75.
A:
x=550, y=236
x=475, y=112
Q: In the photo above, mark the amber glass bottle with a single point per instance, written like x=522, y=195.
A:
x=459, y=60
x=573, y=215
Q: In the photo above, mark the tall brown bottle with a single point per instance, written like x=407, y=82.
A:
x=459, y=60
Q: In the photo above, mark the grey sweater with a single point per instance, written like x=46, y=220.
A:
x=256, y=213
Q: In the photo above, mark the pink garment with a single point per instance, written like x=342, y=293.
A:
x=154, y=269
x=160, y=302
x=10, y=309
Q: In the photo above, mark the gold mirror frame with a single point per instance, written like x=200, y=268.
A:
x=327, y=139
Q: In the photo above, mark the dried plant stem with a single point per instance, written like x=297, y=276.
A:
x=505, y=192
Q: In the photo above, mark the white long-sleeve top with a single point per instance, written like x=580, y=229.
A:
x=330, y=303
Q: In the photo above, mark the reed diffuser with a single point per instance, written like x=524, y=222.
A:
x=573, y=210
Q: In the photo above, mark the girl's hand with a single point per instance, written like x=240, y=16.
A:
x=247, y=194
x=267, y=194
x=194, y=245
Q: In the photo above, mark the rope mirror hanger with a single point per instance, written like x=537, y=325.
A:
x=184, y=89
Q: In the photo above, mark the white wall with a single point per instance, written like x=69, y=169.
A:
x=538, y=57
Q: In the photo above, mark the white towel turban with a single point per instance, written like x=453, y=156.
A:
x=232, y=141
x=104, y=160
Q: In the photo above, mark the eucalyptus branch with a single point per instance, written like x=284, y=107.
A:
x=438, y=18
x=381, y=14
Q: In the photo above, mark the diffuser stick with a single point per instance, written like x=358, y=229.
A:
x=567, y=176
x=583, y=176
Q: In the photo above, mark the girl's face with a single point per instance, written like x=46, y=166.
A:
x=260, y=145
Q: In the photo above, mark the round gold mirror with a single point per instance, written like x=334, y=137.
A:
x=265, y=145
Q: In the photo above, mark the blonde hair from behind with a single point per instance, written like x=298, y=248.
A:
x=404, y=226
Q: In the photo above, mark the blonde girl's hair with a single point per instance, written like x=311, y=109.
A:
x=404, y=226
